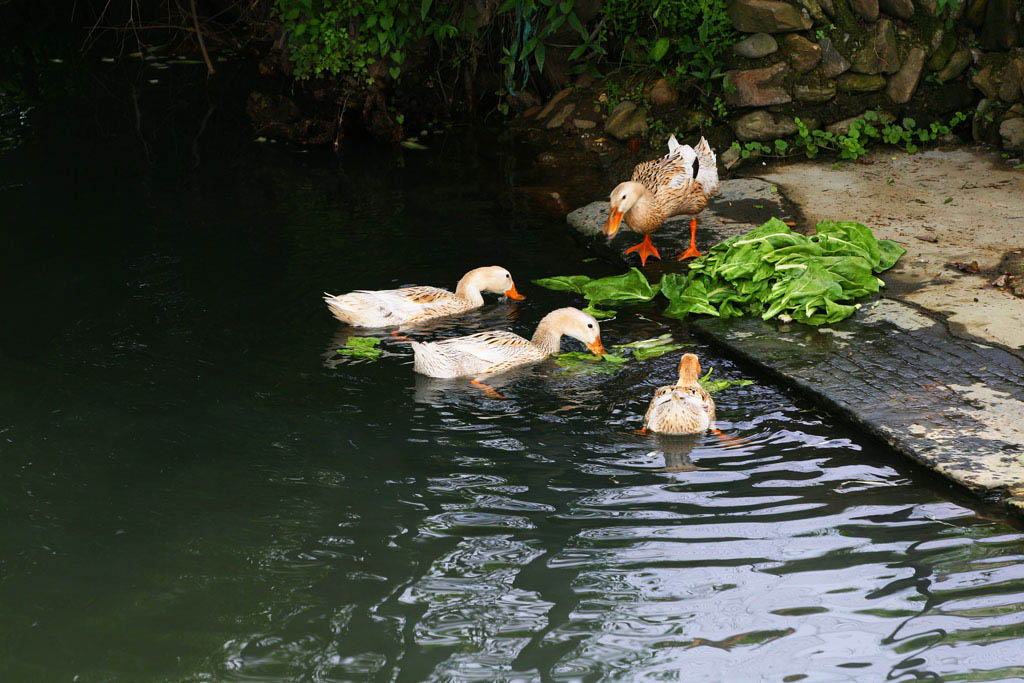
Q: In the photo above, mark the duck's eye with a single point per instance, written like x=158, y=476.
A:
x=623, y=196
x=590, y=326
x=507, y=276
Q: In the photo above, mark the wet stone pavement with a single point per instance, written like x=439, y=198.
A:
x=950, y=403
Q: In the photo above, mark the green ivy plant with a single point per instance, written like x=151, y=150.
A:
x=692, y=34
x=853, y=144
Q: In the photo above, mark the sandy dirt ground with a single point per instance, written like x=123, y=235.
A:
x=943, y=207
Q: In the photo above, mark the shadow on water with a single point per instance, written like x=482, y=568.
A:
x=196, y=487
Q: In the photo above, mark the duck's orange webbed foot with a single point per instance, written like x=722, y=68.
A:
x=489, y=391
x=691, y=251
x=399, y=336
x=726, y=439
x=642, y=430
x=644, y=249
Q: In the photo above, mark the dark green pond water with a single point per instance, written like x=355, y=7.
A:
x=194, y=486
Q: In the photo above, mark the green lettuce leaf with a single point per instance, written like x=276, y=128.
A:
x=713, y=386
x=630, y=287
x=599, y=313
x=363, y=347
x=889, y=254
x=564, y=283
x=582, y=362
x=647, y=353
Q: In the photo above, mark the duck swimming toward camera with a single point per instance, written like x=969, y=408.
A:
x=684, y=407
x=388, y=307
x=496, y=351
x=681, y=182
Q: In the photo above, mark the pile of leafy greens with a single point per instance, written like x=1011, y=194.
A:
x=769, y=271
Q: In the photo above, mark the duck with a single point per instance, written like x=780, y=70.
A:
x=390, y=307
x=681, y=182
x=684, y=407
x=495, y=351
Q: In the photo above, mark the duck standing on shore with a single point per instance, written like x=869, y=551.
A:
x=681, y=182
x=389, y=307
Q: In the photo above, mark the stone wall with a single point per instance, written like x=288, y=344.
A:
x=826, y=61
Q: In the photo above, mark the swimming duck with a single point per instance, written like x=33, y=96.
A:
x=383, y=308
x=681, y=182
x=684, y=407
x=496, y=351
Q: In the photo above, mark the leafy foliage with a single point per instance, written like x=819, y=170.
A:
x=630, y=287
x=646, y=349
x=690, y=34
x=581, y=362
x=363, y=347
x=347, y=36
x=772, y=271
x=713, y=386
x=769, y=271
x=533, y=22
x=853, y=144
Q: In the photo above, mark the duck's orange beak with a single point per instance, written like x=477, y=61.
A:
x=611, y=226
x=511, y=293
x=596, y=347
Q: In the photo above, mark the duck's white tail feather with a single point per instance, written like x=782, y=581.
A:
x=430, y=360
x=707, y=174
x=360, y=308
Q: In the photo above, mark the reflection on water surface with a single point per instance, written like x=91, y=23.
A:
x=196, y=487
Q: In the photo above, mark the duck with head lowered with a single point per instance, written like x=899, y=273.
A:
x=388, y=307
x=679, y=183
x=495, y=351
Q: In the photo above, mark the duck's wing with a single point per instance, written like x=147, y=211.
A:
x=411, y=303
x=383, y=308
x=709, y=405
x=493, y=349
x=669, y=171
x=682, y=180
x=661, y=395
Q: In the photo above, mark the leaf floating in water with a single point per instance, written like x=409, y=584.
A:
x=261, y=139
x=108, y=59
x=412, y=144
x=646, y=349
x=363, y=347
x=582, y=362
x=713, y=386
x=643, y=354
